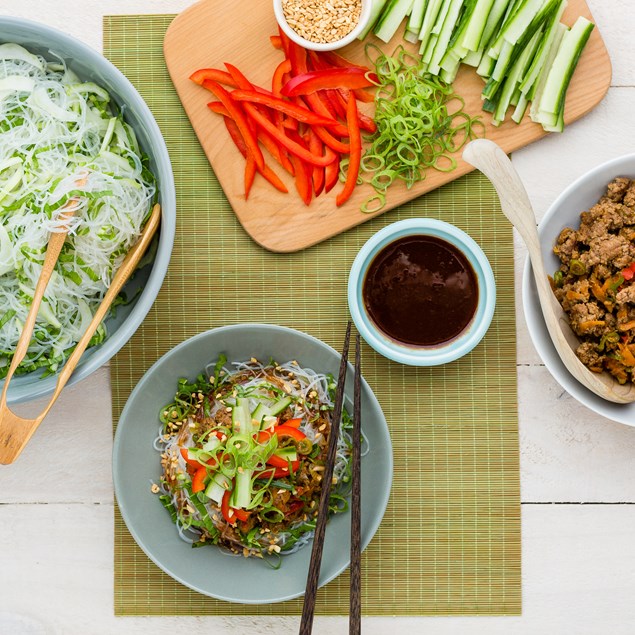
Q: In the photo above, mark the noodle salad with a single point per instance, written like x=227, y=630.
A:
x=63, y=150
x=242, y=454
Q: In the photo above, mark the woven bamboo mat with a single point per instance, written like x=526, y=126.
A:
x=450, y=541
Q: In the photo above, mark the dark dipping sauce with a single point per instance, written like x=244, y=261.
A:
x=421, y=290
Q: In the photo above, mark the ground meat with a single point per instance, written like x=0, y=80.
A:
x=616, y=189
x=627, y=294
x=598, y=299
x=590, y=357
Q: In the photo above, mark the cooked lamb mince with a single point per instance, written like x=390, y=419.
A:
x=595, y=283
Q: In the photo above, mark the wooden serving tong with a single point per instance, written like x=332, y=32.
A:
x=15, y=431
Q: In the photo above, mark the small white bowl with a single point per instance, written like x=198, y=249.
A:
x=293, y=35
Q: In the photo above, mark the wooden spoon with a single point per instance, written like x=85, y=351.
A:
x=494, y=163
x=16, y=431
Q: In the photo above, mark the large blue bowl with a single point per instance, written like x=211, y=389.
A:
x=91, y=66
x=423, y=355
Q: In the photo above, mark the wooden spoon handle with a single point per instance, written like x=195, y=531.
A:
x=494, y=163
x=53, y=249
x=125, y=270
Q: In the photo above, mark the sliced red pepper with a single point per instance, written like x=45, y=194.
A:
x=279, y=472
x=365, y=123
x=228, y=513
x=355, y=155
x=363, y=95
x=303, y=182
x=213, y=75
x=250, y=174
x=312, y=81
x=278, y=77
x=188, y=460
x=278, y=461
x=267, y=172
x=317, y=173
x=198, y=480
x=241, y=514
x=293, y=423
x=289, y=144
x=330, y=58
x=629, y=272
x=283, y=431
x=329, y=140
x=285, y=41
x=335, y=100
x=297, y=57
x=237, y=115
x=317, y=105
x=276, y=41
x=331, y=172
x=288, y=108
x=264, y=436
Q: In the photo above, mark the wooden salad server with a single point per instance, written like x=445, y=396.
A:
x=497, y=167
x=15, y=431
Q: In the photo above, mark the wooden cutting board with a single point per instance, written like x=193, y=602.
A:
x=216, y=31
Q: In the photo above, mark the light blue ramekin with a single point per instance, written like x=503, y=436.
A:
x=423, y=355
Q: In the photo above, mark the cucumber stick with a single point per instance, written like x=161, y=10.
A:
x=566, y=60
x=529, y=81
x=475, y=28
x=376, y=7
x=429, y=18
x=391, y=18
x=416, y=20
x=445, y=34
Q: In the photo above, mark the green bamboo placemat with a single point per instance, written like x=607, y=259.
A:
x=450, y=540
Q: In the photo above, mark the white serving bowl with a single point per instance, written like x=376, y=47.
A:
x=565, y=212
x=144, y=287
x=364, y=17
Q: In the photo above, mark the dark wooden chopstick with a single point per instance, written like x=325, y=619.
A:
x=308, y=608
x=355, y=619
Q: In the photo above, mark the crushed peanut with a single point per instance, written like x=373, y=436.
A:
x=322, y=21
x=155, y=489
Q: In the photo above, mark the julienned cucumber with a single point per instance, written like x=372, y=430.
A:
x=516, y=46
x=571, y=48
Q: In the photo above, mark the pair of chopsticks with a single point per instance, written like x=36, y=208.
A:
x=308, y=609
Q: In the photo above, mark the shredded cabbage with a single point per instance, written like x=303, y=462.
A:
x=62, y=147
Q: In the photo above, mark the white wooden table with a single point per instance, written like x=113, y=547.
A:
x=578, y=485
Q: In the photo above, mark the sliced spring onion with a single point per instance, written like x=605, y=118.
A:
x=420, y=124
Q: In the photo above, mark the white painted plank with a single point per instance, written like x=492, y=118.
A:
x=569, y=453
x=577, y=578
x=68, y=458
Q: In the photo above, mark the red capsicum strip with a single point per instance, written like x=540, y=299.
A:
x=250, y=174
x=279, y=472
x=313, y=81
x=365, y=123
x=292, y=110
x=355, y=156
x=331, y=172
x=213, y=75
x=285, y=431
x=237, y=115
x=289, y=144
x=277, y=82
x=198, y=480
x=317, y=176
x=629, y=272
x=267, y=172
x=303, y=183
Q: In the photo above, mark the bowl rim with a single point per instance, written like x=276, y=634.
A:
x=382, y=498
x=620, y=413
x=364, y=18
x=434, y=355
x=129, y=95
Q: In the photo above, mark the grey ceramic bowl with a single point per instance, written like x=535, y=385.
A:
x=136, y=464
x=91, y=66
